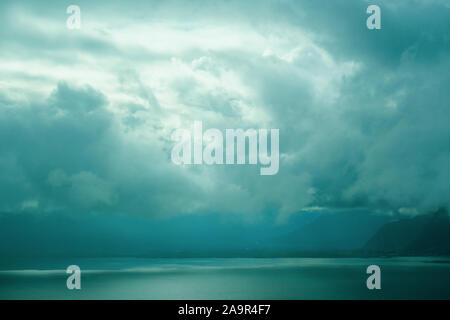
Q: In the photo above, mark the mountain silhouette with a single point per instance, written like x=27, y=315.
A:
x=336, y=231
x=421, y=235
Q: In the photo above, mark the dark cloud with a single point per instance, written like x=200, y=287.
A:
x=363, y=115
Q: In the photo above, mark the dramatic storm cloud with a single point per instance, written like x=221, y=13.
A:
x=86, y=115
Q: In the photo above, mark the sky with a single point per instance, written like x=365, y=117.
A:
x=86, y=115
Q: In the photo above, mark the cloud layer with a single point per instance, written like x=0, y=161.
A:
x=86, y=115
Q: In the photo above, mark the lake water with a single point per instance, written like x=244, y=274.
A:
x=206, y=278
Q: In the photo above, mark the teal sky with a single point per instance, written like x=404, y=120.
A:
x=86, y=115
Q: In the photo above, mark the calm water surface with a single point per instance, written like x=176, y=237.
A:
x=207, y=278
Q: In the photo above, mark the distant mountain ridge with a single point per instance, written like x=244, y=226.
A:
x=421, y=235
x=336, y=231
x=355, y=232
